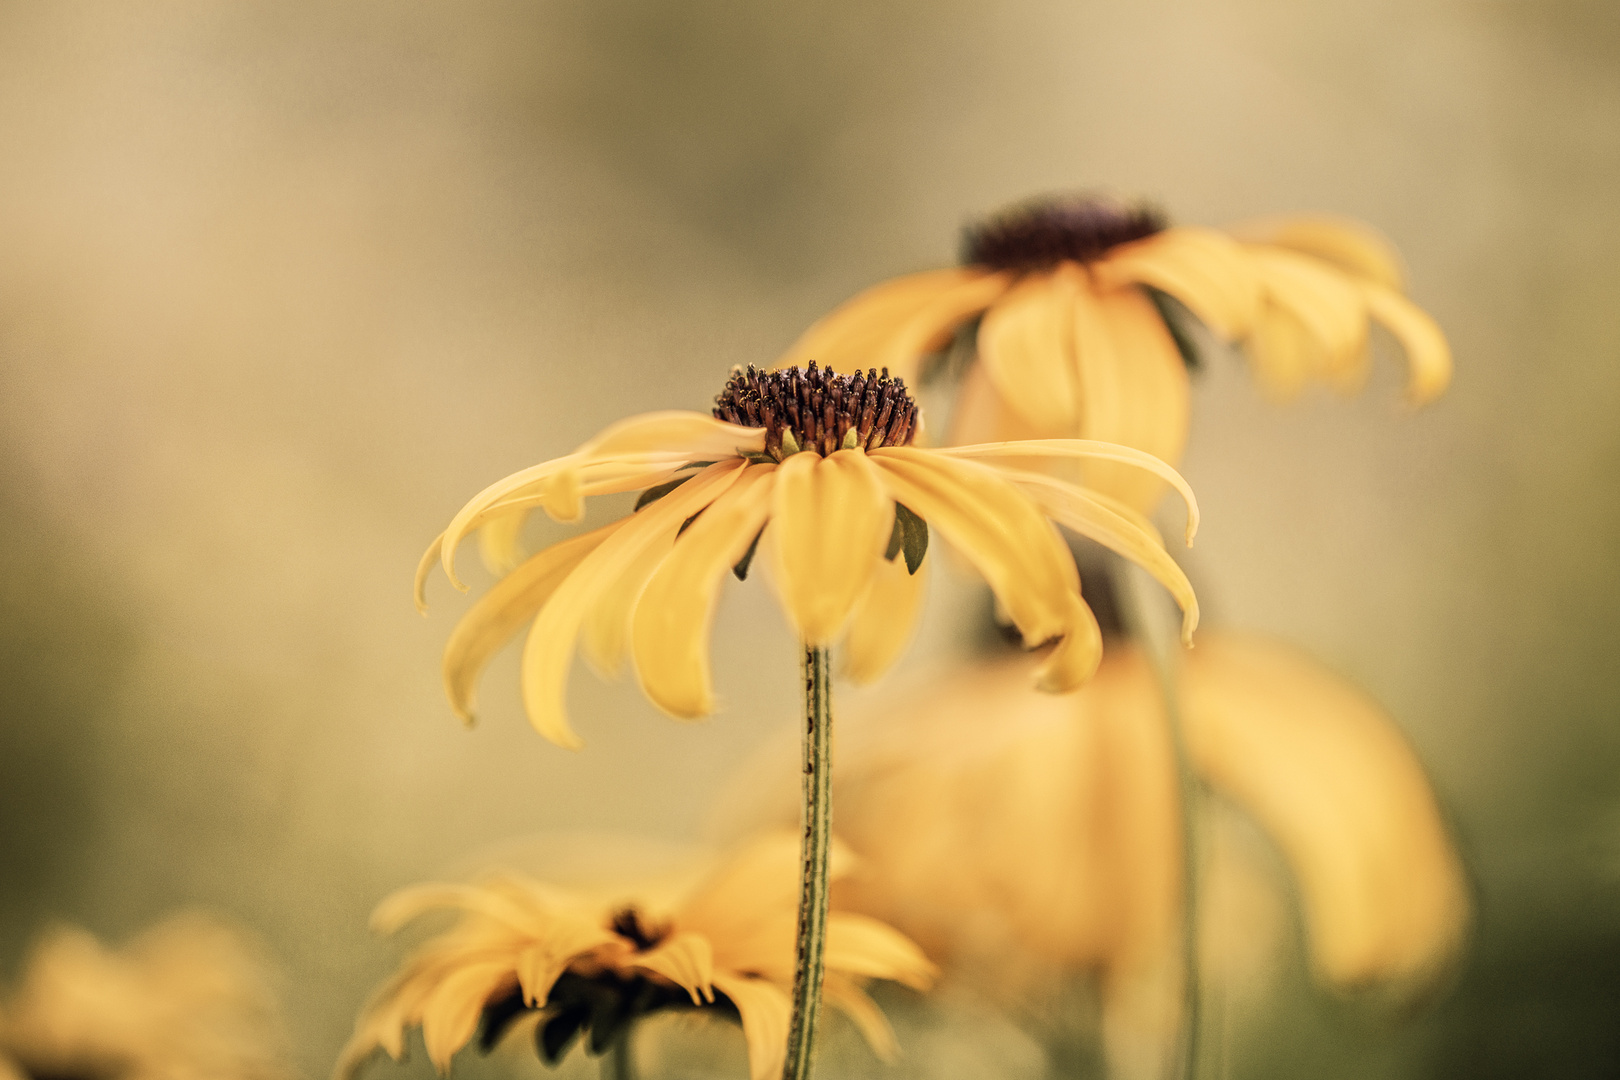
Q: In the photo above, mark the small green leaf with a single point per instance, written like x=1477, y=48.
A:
x=1173, y=314
x=915, y=543
x=658, y=491
x=741, y=567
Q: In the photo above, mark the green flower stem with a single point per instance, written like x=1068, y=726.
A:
x=1148, y=627
x=813, y=851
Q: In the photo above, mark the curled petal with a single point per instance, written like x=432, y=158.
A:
x=1428, y=356
x=883, y=621
x=1204, y=269
x=862, y=946
x=499, y=541
x=831, y=521
x=687, y=960
x=550, y=646
x=1327, y=303
x=670, y=628
x=1076, y=657
x=930, y=327
x=498, y=614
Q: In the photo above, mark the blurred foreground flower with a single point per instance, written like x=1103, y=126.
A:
x=996, y=823
x=1077, y=339
x=186, y=1000
x=825, y=460
x=523, y=952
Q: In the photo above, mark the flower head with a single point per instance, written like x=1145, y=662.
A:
x=1076, y=337
x=570, y=966
x=815, y=471
x=186, y=1000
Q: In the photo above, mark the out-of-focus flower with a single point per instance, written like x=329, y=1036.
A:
x=573, y=964
x=1076, y=339
x=825, y=460
x=996, y=823
x=186, y=1000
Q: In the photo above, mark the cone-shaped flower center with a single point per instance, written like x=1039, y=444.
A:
x=636, y=928
x=809, y=409
x=1040, y=233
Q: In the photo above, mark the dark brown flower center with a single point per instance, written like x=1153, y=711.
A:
x=640, y=931
x=1040, y=233
x=811, y=409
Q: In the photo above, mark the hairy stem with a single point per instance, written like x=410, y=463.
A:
x=815, y=844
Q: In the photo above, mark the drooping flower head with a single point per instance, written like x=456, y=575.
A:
x=526, y=954
x=816, y=471
x=1079, y=332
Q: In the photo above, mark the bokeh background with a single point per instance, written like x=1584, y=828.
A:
x=282, y=283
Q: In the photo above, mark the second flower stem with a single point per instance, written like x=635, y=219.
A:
x=814, y=848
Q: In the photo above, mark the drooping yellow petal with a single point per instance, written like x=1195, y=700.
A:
x=1095, y=519
x=550, y=646
x=450, y=1016
x=1282, y=353
x=1329, y=776
x=1133, y=387
x=929, y=329
x=605, y=637
x=687, y=960
x=999, y=529
x=1027, y=348
x=1075, y=659
x=1325, y=301
x=1083, y=450
x=846, y=995
x=1349, y=245
x=670, y=628
x=1206, y=270
x=499, y=541
x=1427, y=354
x=765, y=1011
x=696, y=435
x=831, y=522
x=849, y=336
x=881, y=625
x=863, y=946
x=424, y=567
x=498, y=614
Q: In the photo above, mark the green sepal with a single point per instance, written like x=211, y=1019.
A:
x=910, y=535
x=740, y=568
x=1172, y=314
x=658, y=491
x=790, y=443
x=851, y=440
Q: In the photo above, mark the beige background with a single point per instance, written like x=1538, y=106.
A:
x=281, y=284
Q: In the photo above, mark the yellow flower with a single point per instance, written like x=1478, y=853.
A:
x=186, y=1000
x=1075, y=341
x=574, y=966
x=817, y=470
x=998, y=823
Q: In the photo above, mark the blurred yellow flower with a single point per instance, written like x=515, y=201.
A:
x=572, y=965
x=1074, y=339
x=826, y=461
x=996, y=823
x=186, y=1000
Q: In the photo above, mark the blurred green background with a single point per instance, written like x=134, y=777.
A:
x=281, y=284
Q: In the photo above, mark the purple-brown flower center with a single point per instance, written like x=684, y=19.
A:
x=636, y=928
x=1040, y=233
x=811, y=409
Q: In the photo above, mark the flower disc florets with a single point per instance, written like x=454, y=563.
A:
x=1040, y=233
x=810, y=409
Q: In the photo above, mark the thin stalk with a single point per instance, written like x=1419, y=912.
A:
x=1148, y=626
x=814, y=846
x=619, y=1063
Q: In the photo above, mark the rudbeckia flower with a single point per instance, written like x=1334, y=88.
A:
x=816, y=471
x=186, y=1000
x=1077, y=336
x=997, y=823
x=521, y=952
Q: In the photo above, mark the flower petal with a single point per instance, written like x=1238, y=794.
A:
x=1327, y=303
x=1427, y=353
x=1204, y=269
x=605, y=637
x=550, y=646
x=1282, y=353
x=498, y=614
x=846, y=995
x=1083, y=450
x=997, y=527
x=765, y=1011
x=1349, y=245
x=685, y=959
x=881, y=625
x=450, y=1015
x=499, y=541
x=1027, y=348
x=694, y=434
x=670, y=628
x=929, y=329
x=854, y=331
x=566, y=939
x=1077, y=656
x=1328, y=775
x=831, y=521
x=1095, y=519
x=862, y=946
